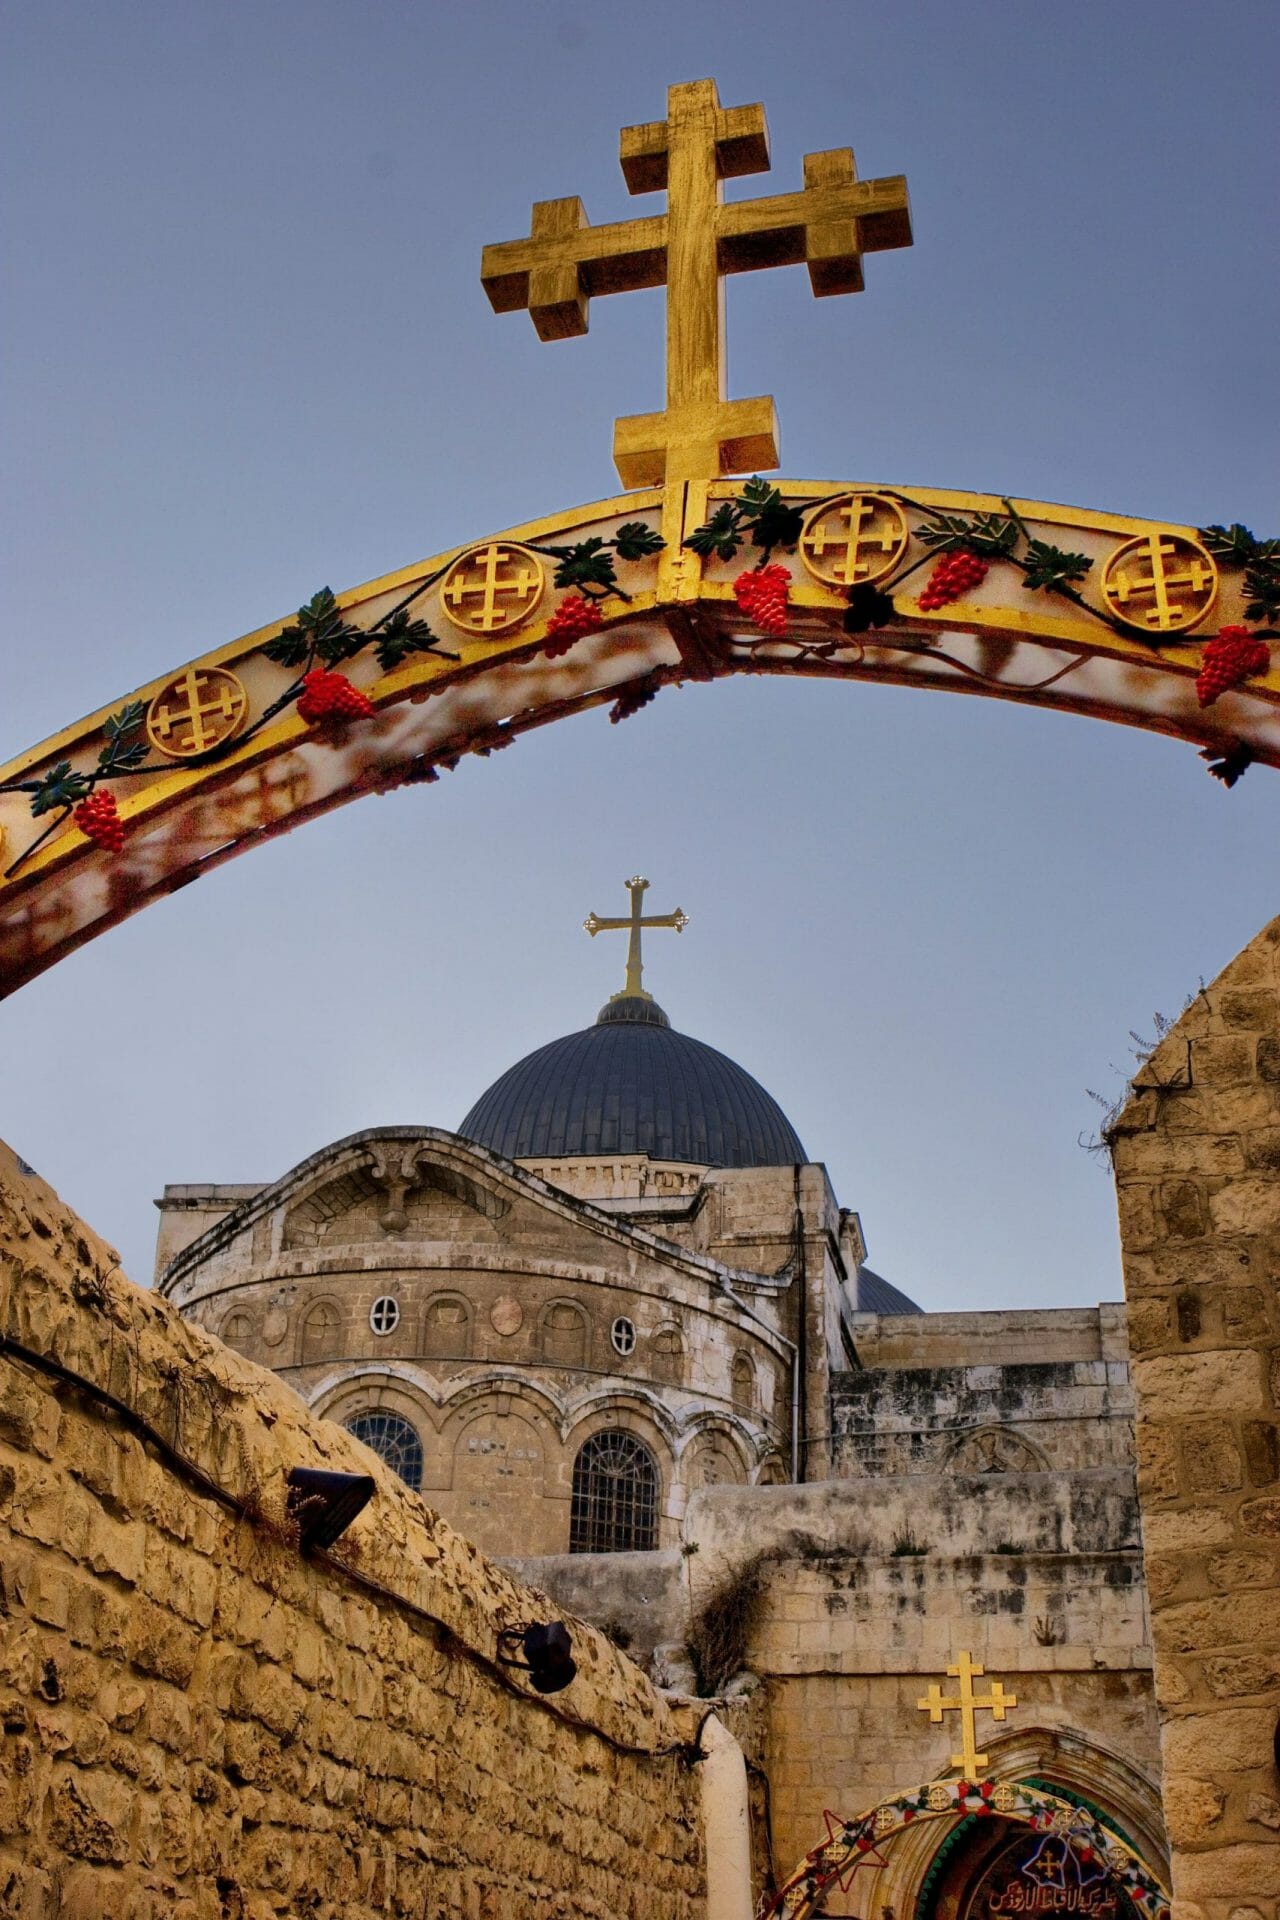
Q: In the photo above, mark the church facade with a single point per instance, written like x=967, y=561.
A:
x=619, y=1331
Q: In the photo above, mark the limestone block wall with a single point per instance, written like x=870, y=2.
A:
x=952, y=1400
x=1197, y=1163
x=1038, y=1576
x=198, y=1723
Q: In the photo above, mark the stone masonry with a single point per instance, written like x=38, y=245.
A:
x=198, y=1723
x=1197, y=1161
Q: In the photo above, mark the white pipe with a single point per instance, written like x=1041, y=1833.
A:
x=726, y=1823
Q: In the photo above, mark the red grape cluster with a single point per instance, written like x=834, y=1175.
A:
x=1232, y=656
x=952, y=576
x=762, y=596
x=331, y=696
x=98, y=820
x=572, y=619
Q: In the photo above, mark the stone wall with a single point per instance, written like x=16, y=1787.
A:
x=198, y=1723
x=985, y=1393
x=873, y=1588
x=1197, y=1161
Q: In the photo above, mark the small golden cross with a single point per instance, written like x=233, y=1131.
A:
x=829, y=224
x=1167, y=570
x=209, y=708
x=593, y=924
x=969, y=1760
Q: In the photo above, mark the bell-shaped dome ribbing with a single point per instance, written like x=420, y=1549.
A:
x=632, y=1084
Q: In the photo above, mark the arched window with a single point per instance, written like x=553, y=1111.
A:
x=237, y=1330
x=393, y=1440
x=564, y=1335
x=615, y=1496
x=320, y=1332
x=744, y=1383
x=668, y=1355
x=445, y=1328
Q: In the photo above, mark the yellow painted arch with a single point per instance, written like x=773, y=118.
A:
x=675, y=619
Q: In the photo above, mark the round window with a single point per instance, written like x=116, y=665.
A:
x=623, y=1335
x=384, y=1314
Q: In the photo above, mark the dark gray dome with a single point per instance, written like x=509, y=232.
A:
x=878, y=1295
x=632, y=1084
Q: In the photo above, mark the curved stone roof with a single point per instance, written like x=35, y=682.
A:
x=632, y=1084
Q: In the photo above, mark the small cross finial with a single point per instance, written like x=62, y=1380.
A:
x=967, y=1703
x=635, y=921
x=829, y=224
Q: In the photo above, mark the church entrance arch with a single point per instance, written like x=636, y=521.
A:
x=1003, y=1848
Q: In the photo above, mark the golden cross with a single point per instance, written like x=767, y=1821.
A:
x=969, y=1760
x=222, y=708
x=490, y=587
x=847, y=561
x=1164, y=612
x=829, y=225
x=593, y=924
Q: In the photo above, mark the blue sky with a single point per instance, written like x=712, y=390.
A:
x=248, y=354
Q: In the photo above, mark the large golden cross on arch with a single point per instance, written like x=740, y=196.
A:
x=635, y=921
x=829, y=225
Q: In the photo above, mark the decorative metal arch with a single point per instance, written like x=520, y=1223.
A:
x=1098, y=1856
x=392, y=682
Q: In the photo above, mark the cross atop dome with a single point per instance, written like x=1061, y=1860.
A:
x=829, y=224
x=637, y=919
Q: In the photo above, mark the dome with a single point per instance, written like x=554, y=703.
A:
x=632, y=1084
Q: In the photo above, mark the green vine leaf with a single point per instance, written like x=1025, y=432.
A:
x=1234, y=544
x=128, y=720
x=402, y=636
x=635, y=541
x=772, y=523
x=588, y=564
x=1049, y=569
x=719, y=537
x=868, y=608
x=320, y=630
x=124, y=751
x=1262, y=584
x=1229, y=763
x=60, y=787
x=988, y=533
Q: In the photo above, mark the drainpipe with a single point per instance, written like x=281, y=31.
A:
x=726, y=1822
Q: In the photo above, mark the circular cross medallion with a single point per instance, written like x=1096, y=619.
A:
x=853, y=539
x=1162, y=583
x=492, y=588
x=198, y=711
x=506, y=1316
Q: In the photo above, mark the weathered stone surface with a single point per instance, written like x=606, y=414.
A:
x=195, y=1723
x=1207, y=1382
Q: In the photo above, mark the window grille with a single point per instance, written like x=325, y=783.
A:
x=393, y=1440
x=623, y=1335
x=615, y=1496
x=384, y=1314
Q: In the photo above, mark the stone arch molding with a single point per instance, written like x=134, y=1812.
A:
x=213, y=758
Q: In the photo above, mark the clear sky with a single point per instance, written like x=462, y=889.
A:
x=248, y=354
